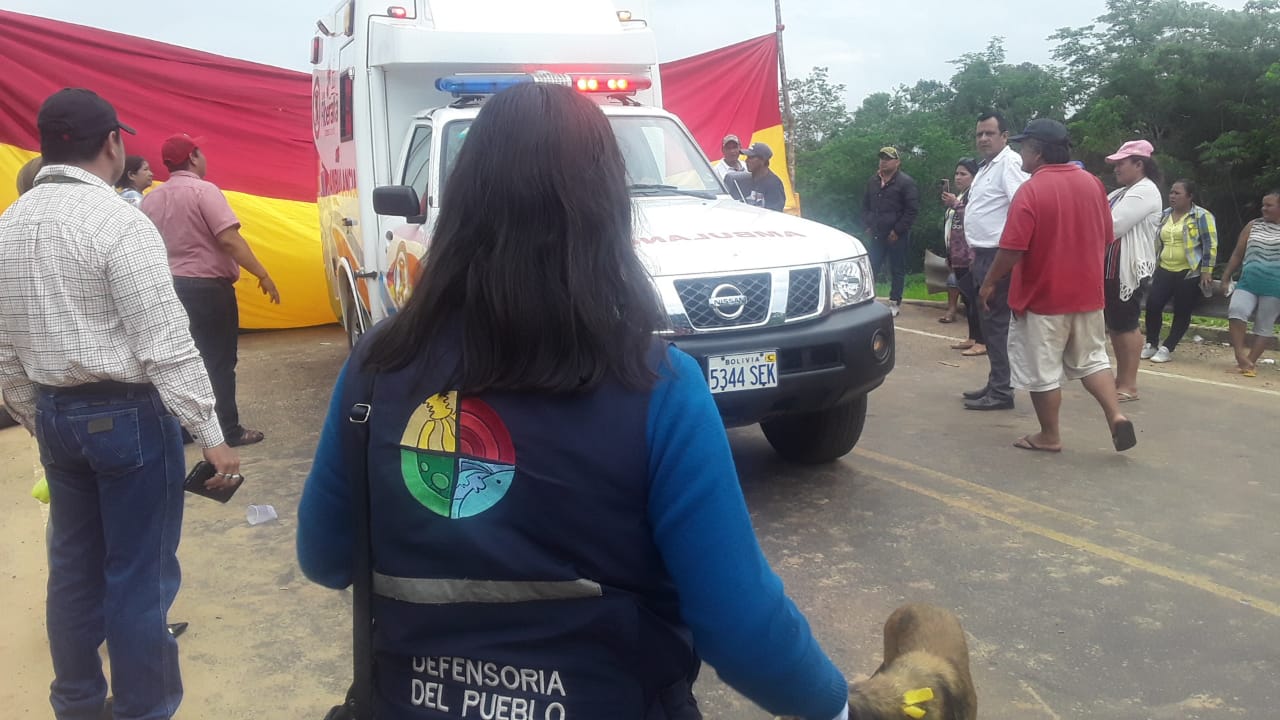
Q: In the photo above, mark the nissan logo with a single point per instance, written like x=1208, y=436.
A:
x=727, y=301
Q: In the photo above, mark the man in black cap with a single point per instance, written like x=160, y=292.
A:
x=758, y=185
x=97, y=362
x=890, y=205
x=1053, y=242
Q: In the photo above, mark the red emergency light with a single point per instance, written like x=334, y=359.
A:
x=397, y=12
x=611, y=84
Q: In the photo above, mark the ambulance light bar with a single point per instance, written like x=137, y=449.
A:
x=460, y=85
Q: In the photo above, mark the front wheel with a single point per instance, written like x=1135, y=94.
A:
x=818, y=437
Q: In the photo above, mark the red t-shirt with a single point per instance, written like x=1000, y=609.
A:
x=1061, y=221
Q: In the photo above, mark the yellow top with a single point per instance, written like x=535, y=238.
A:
x=1173, y=256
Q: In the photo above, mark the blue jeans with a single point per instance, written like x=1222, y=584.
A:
x=897, y=256
x=113, y=457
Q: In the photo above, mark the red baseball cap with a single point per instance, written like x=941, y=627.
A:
x=177, y=148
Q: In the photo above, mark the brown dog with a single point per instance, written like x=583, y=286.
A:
x=925, y=673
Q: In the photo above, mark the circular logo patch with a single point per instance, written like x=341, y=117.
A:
x=456, y=456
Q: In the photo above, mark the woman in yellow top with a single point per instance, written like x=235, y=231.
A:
x=1188, y=244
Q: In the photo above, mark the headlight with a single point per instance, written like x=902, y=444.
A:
x=851, y=282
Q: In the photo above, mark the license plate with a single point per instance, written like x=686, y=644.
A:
x=744, y=371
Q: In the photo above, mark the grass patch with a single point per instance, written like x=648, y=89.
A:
x=916, y=289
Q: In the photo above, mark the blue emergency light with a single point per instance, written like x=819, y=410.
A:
x=473, y=85
x=460, y=85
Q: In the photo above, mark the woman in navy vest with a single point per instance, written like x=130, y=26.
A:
x=558, y=529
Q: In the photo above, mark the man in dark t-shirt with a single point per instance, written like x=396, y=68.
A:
x=758, y=185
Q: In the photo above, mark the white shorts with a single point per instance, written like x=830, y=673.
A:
x=1245, y=303
x=1044, y=348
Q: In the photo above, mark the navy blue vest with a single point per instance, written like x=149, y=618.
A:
x=515, y=573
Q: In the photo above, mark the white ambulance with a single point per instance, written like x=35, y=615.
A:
x=779, y=311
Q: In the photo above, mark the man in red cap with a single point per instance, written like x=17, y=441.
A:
x=97, y=362
x=206, y=252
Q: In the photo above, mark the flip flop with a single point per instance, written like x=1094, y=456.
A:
x=1125, y=397
x=972, y=352
x=947, y=319
x=1251, y=372
x=1024, y=443
x=963, y=345
x=1123, y=436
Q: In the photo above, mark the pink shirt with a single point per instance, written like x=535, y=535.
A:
x=189, y=212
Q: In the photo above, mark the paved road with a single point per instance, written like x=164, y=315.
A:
x=1092, y=585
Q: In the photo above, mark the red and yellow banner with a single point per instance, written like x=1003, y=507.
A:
x=255, y=121
x=256, y=124
x=731, y=91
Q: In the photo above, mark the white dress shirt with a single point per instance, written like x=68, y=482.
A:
x=988, y=204
x=86, y=296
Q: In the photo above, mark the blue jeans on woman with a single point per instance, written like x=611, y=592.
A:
x=113, y=458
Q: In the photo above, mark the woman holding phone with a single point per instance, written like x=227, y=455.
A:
x=960, y=255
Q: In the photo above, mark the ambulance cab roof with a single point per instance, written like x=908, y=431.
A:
x=511, y=33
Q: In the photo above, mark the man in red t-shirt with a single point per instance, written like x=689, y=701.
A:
x=1054, y=240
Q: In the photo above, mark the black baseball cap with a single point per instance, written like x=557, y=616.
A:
x=1046, y=131
x=75, y=114
x=759, y=150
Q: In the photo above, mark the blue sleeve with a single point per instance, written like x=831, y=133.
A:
x=326, y=537
x=743, y=623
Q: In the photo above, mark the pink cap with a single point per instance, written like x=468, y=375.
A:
x=1133, y=148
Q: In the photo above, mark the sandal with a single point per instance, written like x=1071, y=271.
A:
x=947, y=319
x=1024, y=443
x=1125, y=397
x=975, y=351
x=1123, y=436
x=246, y=437
x=963, y=345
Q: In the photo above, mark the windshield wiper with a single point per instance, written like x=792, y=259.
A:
x=705, y=195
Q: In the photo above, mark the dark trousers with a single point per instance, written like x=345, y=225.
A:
x=113, y=458
x=896, y=253
x=215, y=327
x=1183, y=287
x=995, y=324
x=972, y=311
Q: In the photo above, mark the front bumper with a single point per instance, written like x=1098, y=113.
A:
x=821, y=363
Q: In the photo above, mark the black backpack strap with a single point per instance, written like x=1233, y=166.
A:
x=359, y=401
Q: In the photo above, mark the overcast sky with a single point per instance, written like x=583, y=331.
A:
x=870, y=46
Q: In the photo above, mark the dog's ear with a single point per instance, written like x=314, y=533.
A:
x=956, y=701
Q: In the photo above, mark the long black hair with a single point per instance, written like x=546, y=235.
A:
x=532, y=253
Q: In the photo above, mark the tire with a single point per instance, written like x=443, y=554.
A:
x=819, y=437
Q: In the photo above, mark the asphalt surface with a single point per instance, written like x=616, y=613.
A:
x=1091, y=584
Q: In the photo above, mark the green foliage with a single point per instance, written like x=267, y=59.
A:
x=1201, y=83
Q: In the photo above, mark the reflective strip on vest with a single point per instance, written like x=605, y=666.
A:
x=446, y=591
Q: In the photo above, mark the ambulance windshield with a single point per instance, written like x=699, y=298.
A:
x=660, y=157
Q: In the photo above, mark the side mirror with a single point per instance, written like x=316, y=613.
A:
x=398, y=200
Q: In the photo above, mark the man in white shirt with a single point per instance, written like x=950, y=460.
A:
x=731, y=162
x=985, y=213
x=97, y=362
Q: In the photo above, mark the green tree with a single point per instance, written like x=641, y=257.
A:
x=1195, y=80
x=817, y=108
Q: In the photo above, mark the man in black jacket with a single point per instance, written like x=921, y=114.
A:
x=889, y=208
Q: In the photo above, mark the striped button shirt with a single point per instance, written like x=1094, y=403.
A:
x=86, y=296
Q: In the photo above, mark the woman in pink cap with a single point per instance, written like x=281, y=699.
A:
x=1131, y=259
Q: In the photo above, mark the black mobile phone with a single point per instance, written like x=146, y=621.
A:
x=194, y=483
